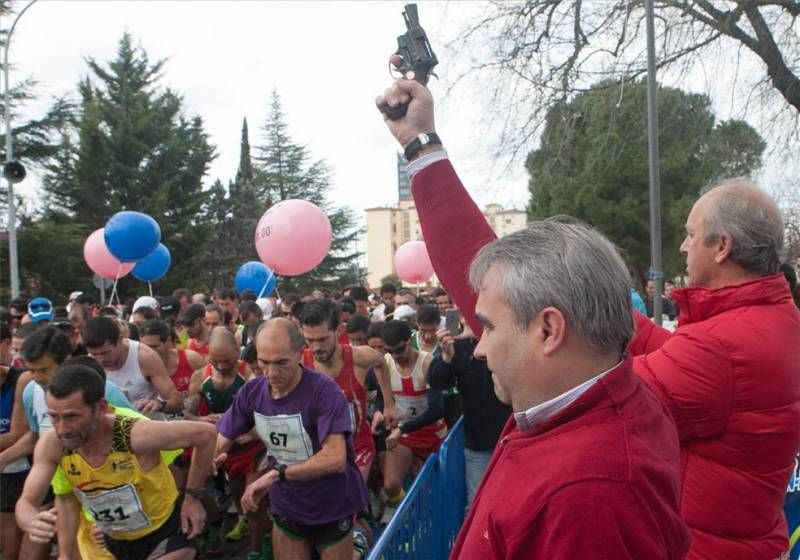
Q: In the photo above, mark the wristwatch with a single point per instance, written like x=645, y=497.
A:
x=281, y=468
x=197, y=493
x=419, y=142
x=162, y=402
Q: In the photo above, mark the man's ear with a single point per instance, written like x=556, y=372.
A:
x=551, y=330
x=723, y=247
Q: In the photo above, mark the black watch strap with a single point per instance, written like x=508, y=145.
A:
x=421, y=140
x=281, y=472
x=197, y=493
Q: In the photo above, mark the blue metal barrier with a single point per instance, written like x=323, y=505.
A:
x=427, y=521
x=791, y=509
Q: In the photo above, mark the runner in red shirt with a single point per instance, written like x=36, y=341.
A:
x=193, y=318
x=348, y=366
x=180, y=364
x=420, y=409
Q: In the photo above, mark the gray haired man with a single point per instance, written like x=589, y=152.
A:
x=588, y=465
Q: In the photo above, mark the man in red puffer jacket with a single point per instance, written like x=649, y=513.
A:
x=729, y=375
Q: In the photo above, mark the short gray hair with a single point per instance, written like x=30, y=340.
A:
x=746, y=214
x=567, y=265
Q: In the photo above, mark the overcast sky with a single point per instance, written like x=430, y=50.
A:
x=327, y=60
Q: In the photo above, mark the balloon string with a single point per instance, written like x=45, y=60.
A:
x=114, y=287
x=150, y=287
x=417, y=289
x=264, y=287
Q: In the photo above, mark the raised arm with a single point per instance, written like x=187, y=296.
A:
x=441, y=373
x=452, y=224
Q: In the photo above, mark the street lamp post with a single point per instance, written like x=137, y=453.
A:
x=12, y=210
x=652, y=142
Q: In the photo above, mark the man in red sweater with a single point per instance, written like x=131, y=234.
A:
x=728, y=374
x=588, y=465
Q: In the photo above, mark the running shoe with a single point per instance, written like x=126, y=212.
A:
x=239, y=531
x=388, y=513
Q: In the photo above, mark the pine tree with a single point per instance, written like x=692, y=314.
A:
x=218, y=265
x=284, y=172
x=135, y=150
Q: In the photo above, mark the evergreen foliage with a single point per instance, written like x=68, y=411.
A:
x=133, y=148
x=283, y=171
x=593, y=164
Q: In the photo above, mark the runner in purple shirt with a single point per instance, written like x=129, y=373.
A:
x=314, y=486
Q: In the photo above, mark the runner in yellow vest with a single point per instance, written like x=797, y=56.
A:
x=116, y=470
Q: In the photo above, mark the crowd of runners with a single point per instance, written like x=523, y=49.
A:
x=180, y=424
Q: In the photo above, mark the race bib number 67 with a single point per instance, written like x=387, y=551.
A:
x=285, y=437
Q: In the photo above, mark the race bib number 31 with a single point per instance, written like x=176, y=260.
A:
x=285, y=437
x=119, y=509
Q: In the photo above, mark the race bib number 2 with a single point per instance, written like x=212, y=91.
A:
x=285, y=437
x=410, y=407
x=119, y=509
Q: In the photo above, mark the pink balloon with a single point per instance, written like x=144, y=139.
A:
x=412, y=263
x=100, y=259
x=293, y=237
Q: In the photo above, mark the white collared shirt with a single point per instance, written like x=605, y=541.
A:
x=535, y=415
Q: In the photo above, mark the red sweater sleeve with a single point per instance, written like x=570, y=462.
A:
x=454, y=230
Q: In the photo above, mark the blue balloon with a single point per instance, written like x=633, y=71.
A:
x=255, y=276
x=131, y=236
x=154, y=266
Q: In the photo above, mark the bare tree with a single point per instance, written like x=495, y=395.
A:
x=788, y=198
x=537, y=52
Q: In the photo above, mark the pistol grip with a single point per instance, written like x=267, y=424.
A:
x=395, y=113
